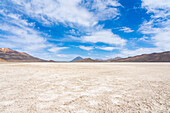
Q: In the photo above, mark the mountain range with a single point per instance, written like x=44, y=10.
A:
x=154, y=57
x=9, y=55
x=87, y=60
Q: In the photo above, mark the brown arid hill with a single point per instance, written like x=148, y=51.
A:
x=10, y=55
x=113, y=59
x=1, y=60
x=154, y=57
x=86, y=60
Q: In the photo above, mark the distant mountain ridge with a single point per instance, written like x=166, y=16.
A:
x=10, y=55
x=154, y=57
x=112, y=59
x=96, y=60
x=86, y=60
x=77, y=58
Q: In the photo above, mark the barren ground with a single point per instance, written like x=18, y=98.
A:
x=85, y=87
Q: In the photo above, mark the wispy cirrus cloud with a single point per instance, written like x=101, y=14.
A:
x=20, y=34
x=159, y=7
x=103, y=9
x=80, y=13
x=69, y=11
x=52, y=11
x=159, y=26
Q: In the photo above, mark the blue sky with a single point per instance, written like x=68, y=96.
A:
x=63, y=29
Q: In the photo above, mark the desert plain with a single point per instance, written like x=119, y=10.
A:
x=85, y=87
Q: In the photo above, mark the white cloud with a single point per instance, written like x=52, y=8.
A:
x=14, y=18
x=86, y=48
x=56, y=49
x=21, y=35
x=73, y=32
x=107, y=48
x=144, y=38
x=148, y=28
x=162, y=40
x=104, y=36
x=154, y=6
x=159, y=26
x=74, y=13
x=57, y=11
x=126, y=29
x=105, y=9
x=69, y=11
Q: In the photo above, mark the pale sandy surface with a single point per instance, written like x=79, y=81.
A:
x=85, y=87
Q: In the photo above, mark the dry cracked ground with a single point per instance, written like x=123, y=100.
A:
x=85, y=87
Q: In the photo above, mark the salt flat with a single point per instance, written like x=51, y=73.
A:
x=84, y=87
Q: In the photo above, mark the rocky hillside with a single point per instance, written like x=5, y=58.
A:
x=10, y=55
x=154, y=57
